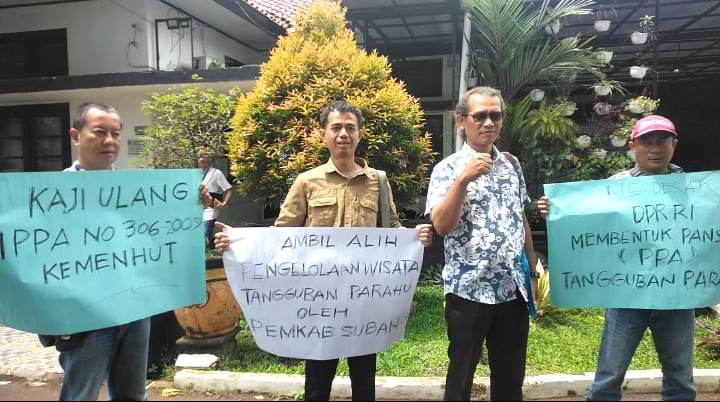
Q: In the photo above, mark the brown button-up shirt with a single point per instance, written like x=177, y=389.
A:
x=323, y=197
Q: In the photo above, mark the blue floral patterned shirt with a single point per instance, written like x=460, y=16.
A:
x=482, y=254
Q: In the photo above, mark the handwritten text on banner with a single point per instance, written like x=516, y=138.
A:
x=324, y=293
x=644, y=242
x=88, y=250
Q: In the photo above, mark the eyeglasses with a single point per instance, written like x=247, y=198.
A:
x=481, y=117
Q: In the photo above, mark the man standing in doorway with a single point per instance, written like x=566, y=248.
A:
x=476, y=200
x=653, y=141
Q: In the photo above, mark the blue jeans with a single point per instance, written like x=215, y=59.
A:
x=118, y=354
x=210, y=234
x=673, y=335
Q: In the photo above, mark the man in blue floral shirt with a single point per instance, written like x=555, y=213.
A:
x=476, y=200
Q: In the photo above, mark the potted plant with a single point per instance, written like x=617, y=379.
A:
x=642, y=104
x=603, y=18
x=606, y=87
x=537, y=94
x=219, y=314
x=604, y=56
x=566, y=107
x=618, y=142
x=602, y=108
x=647, y=23
x=638, y=71
x=553, y=28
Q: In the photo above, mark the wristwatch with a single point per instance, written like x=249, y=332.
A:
x=535, y=274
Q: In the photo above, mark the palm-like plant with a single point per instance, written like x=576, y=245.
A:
x=512, y=52
x=549, y=123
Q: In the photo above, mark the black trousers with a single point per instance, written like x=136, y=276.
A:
x=505, y=327
x=319, y=375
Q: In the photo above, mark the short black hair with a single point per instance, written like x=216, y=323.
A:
x=81, y=114
x=342, y=107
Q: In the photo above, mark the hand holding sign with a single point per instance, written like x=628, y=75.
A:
x=651, y=242
x=98, y=249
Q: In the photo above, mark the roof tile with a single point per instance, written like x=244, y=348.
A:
x=281, y=12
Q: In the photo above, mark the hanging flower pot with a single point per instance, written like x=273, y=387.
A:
x=604, y=56
x=618, y=142
x=602, y=25
x=635, y=107
x=568, y=109
x=537, y=95
x=553, y=28
x=603, y=90
x=583, y=141
x=602, y=108
x=599, y=152
x=639, y=38
x=638, y=71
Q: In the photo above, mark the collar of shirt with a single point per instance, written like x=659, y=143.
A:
x=330, y=167
x=672, y=168
x=75, y=167
x=467, y=149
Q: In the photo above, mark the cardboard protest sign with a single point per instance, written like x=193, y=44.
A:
x=324, y=293
x=646, y=242
x=88, y=250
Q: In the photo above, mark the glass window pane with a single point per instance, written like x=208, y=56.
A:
x=11, y=147
x=49, y=164
x=11, y=165
x=48, y=147
x=10, y=127
x=46, y=126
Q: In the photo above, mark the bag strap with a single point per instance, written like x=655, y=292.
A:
x=384, y=207
x=512, y=159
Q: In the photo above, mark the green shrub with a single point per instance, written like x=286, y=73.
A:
x=184, y=122
x=274, y=136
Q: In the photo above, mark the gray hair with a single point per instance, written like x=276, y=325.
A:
x=81, y=115
x=462, y=106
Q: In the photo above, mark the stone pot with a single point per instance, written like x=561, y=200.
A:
x=602, y=90
x=639, y=38
x=602, y=25
x=218, y=316
x=604, y=56
x=638, y=71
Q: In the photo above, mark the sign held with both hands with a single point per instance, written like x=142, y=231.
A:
x=324, y=293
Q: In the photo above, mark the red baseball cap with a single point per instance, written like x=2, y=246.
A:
x=651, y=123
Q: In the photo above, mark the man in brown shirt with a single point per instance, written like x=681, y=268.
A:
x=344, y=192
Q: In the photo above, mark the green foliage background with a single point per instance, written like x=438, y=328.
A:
x=185, y=121
x=274, y=130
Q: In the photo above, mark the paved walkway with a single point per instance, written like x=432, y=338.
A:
x=22, y=355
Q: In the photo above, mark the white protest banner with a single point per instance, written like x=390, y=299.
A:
x=324, y=293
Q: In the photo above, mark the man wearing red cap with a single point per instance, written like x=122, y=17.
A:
x=653, y=142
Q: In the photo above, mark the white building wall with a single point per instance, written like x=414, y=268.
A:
x=99, y=34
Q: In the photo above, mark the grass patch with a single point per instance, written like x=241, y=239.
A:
x=565, y=341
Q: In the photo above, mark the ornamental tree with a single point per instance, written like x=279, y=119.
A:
x=275, y=127
x=184, y=122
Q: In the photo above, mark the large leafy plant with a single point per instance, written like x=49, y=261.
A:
x=184, y=122
x=511, y=50
x=274, y=136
